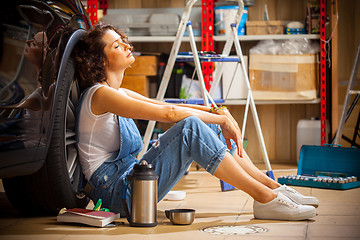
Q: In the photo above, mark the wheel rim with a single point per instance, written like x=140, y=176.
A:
x=70, y=137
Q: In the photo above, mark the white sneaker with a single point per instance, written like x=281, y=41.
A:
x=297, y=197
x=283, y=208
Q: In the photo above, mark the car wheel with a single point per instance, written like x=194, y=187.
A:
x=55, y=185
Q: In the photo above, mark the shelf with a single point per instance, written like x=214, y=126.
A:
x=223, y=38
x=243, y=101
x=270, y=37
x=158, y=39
x=263, y=102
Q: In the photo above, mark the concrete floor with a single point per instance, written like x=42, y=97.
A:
x=338, y=216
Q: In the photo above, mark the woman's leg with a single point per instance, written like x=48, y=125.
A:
x=189, y=140
x=255, y=172
x=186, y=141
x=233, y=173
x=251, y=169
x=246, y=163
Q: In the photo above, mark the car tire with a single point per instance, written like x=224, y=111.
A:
x=55, y=185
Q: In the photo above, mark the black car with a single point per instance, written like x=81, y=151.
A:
x=39, y=93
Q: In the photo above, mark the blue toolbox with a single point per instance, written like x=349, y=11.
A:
x=331, y=167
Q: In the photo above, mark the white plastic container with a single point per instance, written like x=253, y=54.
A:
x=238, y=89
x=175, y=196
x=307, y=133
x=164, y=24
x=224, y=16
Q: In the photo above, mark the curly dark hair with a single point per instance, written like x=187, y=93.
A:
x=89, y=57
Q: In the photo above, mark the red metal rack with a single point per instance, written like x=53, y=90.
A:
x=104, y=5
x=207, y=41
x=323, y=70
x=91, y=8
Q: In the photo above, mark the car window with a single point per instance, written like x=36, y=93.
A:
x=33, y=38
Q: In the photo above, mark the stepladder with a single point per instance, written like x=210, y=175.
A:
x=220, y=59
x=352, y=95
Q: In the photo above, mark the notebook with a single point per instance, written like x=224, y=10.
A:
x=87, y=216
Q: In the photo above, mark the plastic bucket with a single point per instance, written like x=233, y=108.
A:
x=225, y=16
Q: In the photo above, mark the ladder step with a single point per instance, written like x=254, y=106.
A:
x=205, y=57
x=354, y=92
x=191, y=101
x=182, y=58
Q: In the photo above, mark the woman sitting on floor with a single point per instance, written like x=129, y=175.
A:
x=109, y=139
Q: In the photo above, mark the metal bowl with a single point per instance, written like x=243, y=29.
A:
x=180, y=216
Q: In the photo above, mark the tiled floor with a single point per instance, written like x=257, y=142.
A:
x=338, y=216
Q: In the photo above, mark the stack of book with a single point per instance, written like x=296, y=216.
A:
x=87, y=216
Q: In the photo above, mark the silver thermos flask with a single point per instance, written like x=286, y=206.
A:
x=144, y=195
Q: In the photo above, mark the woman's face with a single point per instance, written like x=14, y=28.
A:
x=35, y=48
x=117, y=52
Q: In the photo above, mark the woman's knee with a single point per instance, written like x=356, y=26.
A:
x=193, y=122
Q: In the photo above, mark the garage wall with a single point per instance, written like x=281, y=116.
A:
x=279, y=121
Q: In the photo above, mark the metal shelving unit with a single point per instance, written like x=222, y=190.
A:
x=267, y=102
x=223, y=38
x=241, y=38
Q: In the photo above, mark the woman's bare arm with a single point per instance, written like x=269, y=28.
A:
x=131, y=105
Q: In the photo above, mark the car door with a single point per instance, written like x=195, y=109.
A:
x=24, y=45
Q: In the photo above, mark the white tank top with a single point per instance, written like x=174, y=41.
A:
x=99, y=135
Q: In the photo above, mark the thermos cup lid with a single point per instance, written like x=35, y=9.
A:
x=144, y=171
x=143, y=166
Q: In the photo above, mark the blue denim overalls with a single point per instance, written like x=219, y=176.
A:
x=188, y=140
x=109, y=179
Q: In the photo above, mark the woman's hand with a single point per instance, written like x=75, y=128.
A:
x=226, y=112
x=231, y=131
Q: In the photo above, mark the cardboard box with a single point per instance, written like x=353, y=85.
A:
x=143, y=65
x=264, y=27
x=283, y=77
x=139, y=84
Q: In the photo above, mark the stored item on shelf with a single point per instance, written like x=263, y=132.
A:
x=288, y=47
x=174, y=85
x=233, y=80
x=196, y=29
x=159, y=24
x=143, y=65
x=191, y=90
x=139, y=84
x=295, y=31
x=295, y=27
x=264, y=27
x=132, y=25
x=164, y=24
x=224, y=16
x=313, y=17
x=283, y=77
x=137, y=76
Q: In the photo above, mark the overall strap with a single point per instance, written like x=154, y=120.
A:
x=130, y=138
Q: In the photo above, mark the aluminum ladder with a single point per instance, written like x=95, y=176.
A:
x=346, y=111
x=232, y=39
